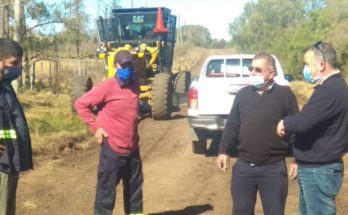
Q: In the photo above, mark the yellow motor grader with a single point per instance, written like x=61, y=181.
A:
x=149, y=35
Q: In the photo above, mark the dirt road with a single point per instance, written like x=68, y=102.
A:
x=177, y=182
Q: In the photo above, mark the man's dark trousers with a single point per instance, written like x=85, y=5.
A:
x=112, y=168
x=270, y=180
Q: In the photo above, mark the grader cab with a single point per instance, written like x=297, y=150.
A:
x=149, y=35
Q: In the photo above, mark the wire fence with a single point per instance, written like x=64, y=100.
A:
x=57, y=74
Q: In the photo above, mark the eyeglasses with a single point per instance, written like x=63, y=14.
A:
x=257, y=69
x=318, y=46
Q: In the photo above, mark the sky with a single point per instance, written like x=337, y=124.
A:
x=215, y=15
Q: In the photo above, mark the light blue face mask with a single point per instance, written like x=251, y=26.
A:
x=257, y=81
x=307, y=76
x=12, y=73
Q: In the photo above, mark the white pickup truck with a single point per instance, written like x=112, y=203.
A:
x=211, y=94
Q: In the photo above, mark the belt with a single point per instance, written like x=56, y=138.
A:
x=314, y=164
x=252, y=164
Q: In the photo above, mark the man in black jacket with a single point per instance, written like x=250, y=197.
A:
x=251, y=127
x=321, y=132
x=15, y=153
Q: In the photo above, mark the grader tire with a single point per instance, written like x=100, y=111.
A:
x=80, y=85
x=182, y=82
x=161, y=103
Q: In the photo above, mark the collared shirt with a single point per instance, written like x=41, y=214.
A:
x=118, y=113
x=327, y=77
x=268, y=88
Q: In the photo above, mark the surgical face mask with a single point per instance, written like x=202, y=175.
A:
x=307, y=76
x=257, y=81
x=11, y=73
x=125, y=73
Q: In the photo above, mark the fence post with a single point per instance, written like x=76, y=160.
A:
x=55, y=82
x=50, y=78
x=32, y=76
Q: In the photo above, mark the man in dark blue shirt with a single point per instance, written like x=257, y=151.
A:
x=321, y=132
x=251, y=127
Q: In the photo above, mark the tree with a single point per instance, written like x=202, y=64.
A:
x=218, y=44
x=76, y=25
x=337, y=15
x=196, y=34
x=286, y=28
x=105, y=7
x=4, y=18
x=262, y=23
x=39, y=27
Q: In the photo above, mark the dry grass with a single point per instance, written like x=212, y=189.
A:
x=50, y=119
x=302, y=90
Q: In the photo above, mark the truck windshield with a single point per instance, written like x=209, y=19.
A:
x=127, y=27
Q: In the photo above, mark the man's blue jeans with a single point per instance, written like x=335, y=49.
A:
x=318, y=188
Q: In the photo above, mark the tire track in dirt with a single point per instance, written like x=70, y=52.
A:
x=179, y=182
x=153, y=136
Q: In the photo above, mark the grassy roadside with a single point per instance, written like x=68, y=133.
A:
x=53, y=127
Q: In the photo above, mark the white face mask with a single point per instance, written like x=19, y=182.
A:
x=257, y=81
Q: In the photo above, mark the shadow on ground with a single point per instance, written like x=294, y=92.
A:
x=190, y=210
x=214, y=139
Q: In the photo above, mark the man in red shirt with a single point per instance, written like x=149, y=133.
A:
x=116, y=129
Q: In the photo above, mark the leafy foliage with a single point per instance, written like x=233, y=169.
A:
x=76, y=25
x=286, y=28
x=196, y=35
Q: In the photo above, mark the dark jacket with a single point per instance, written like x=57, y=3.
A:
x=252, y=124
x=322, y=126
x=17, y=157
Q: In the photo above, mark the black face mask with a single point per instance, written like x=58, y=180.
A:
x=11, y=73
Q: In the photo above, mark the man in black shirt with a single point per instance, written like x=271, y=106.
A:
x=260, y=165
x=321, y=132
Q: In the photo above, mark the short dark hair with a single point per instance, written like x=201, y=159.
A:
x=325, y=52
x=269, y=59
x=122, y=57
x=10, y=48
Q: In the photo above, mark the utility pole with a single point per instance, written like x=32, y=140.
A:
x=17, y=12
x=69, y=20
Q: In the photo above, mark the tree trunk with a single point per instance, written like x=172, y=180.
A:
x=4, y=19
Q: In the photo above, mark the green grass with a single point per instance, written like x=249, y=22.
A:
x=50, y=120
x=52, y=123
